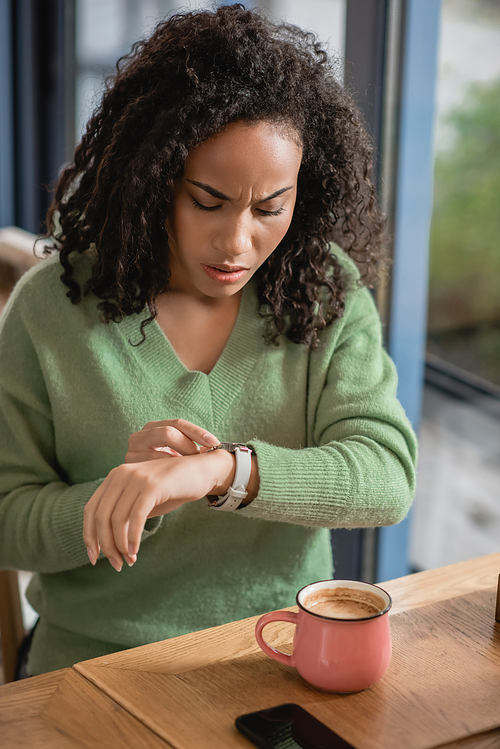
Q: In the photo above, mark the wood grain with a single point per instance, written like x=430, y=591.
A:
x=25, y=699
x=487, y=740
x=61, y=710
x=443, y=583
x=237, y=638
x=194, y=650
x=443, y=684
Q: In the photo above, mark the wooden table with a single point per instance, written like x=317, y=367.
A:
x=190, y=689
x=443, y=683
x=62, y=710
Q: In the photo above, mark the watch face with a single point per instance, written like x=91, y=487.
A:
x=231, y=447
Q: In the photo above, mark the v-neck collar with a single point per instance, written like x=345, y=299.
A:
x=210, y=394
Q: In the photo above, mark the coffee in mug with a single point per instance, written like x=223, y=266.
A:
x=342, y=640
x=344, y=603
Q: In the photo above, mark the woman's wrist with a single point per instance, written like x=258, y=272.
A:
x=225, y=469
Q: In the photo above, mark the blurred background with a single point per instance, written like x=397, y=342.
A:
x=457, y=512
x=426, y=75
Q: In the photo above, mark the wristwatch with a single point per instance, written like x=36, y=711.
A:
x=238, y=491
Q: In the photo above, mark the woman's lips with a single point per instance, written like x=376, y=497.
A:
x=223, y=276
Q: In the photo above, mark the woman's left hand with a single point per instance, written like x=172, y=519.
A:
x=171, y=437
x=115, y=515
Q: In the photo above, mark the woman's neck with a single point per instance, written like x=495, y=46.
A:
x=197, y=329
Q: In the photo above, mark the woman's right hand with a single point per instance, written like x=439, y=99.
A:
x=115, y=515
x=169, y=438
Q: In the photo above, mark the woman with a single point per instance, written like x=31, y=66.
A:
x=201, y=301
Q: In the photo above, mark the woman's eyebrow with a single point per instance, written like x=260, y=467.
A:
x=220, y=195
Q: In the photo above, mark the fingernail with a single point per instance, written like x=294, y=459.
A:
x=131, y=560
x=116, y=564
x=91, y=555
x=211, y=440
x=131, y=550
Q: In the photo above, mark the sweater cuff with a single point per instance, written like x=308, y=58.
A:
x=151, y=526
x=283, y=494
x=72, y=501
x=348, y=484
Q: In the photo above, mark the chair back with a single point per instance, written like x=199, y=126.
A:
x=16, y=248
x=16, y=256
x=11, y=622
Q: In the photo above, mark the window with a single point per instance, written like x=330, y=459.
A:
x=457, y=511
x=106, y=29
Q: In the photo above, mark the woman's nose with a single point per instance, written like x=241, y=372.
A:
x=235, y=237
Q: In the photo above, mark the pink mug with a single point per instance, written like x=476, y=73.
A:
x=332, y=652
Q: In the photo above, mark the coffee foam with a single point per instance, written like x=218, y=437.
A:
x=344, y=603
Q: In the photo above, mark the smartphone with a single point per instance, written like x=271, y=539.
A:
x=288, y=727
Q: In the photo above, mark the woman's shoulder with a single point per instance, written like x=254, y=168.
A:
x=40, y=293
x=360, y=311
x=45, y=278
x=351, y=272
x=357, y=295
x=38, y=275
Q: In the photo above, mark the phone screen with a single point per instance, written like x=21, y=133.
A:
x=288, y=727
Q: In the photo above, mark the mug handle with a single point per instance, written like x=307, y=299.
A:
x=275, y=616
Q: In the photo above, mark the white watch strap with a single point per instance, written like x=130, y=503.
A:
x=238, y=491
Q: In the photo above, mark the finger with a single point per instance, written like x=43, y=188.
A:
x=129, y=501
x=163, y=438
x=127, y=515
x=139, y=513
x=186, y=442
x=197, y=434
x=89, y=530
x=110, y=515
x=119, y=522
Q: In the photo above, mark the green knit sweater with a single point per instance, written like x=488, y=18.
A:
x=333, y=446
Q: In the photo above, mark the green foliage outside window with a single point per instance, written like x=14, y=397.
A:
x=464, y=291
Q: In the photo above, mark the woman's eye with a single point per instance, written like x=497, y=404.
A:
x=205, y=207
x=271, y=213
x=213, y=208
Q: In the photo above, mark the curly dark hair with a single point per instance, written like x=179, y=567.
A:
x=196, y=74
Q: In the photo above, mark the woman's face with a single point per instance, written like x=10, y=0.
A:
x=231, y=208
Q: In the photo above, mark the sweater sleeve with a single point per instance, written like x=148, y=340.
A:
x=41, y=515
x=359, y=467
